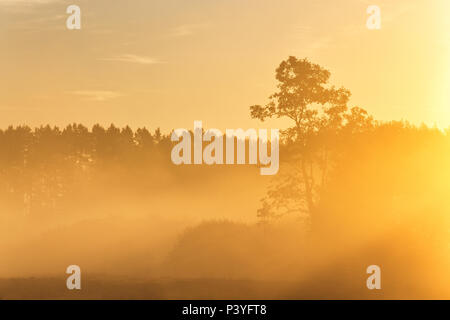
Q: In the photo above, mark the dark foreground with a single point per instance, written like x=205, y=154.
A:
x=99, y=288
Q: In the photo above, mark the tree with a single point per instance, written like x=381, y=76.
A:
x=319, y=114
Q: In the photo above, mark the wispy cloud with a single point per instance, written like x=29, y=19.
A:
x=23, y=8
x=40, y=23
x=186, y=30
x=132, y=58
x=26, y=2
x=97, y=95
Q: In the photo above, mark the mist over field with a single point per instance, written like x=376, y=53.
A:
x=141, y=227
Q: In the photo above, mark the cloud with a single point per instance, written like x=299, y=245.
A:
x=26, y=7
x=186, y=30
x=97, y=95
x=39, y=23
x=132, y=58
x=26, y=2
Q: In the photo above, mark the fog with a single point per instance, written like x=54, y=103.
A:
x=145, y=228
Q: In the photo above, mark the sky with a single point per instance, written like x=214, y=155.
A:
x=167, y=63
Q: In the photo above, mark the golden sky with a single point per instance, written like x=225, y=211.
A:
x=169, y=62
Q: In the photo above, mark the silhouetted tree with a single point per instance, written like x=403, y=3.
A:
x=320, y=116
